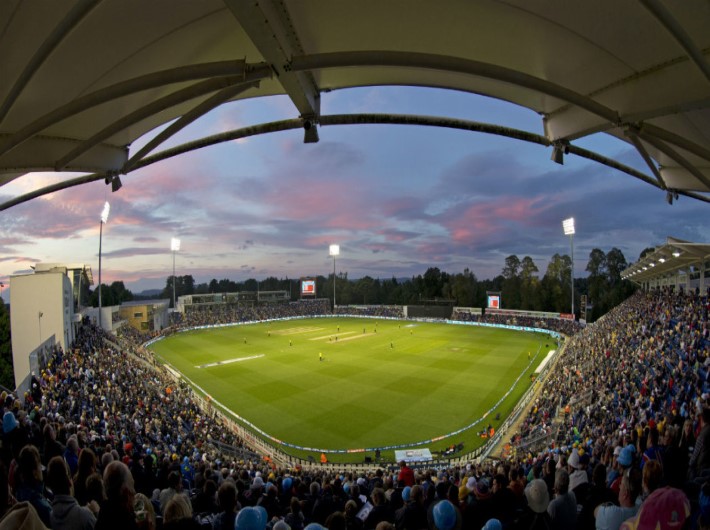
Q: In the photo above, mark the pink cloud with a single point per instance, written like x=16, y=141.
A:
x=480, y=221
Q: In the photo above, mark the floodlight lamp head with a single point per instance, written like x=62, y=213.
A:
x=334, y=250
x=116, y=184
x=310, y=132
x=175, y=244
x=676, y=254
x=558, y=154
x=568, y=226
x=105, y=212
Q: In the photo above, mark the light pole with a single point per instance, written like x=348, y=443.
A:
x=104, y=219
x=568, y=227
x=174, y=246
x=334, y=250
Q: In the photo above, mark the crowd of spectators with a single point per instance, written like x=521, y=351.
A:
x=106, y=440
x=385, y=311
x=561, y=325
x=210, y=314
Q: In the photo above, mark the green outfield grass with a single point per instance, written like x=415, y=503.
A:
x=380, y=383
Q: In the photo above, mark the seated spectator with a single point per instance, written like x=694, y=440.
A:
x=563, y=508
x=86, y=467
x=206, y=499
x=51, y=446
x=66, y=511
x=413, y=515
x=145, y=513
x=352, y=521
x=174, y=487
x=95, y=494
x=380, y=511
x=227, y=496
x=597, y=494
x=610, y=516
x=23, y=516
x=178, y=514
x=6, y=497
x=651, y=479
x=117, y=512
x=535, y=515
x=666, y=508
x=29, y=485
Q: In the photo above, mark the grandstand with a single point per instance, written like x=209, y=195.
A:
x=638, y=369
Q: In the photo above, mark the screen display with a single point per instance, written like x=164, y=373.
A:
x=308, y=287
x=494, y=301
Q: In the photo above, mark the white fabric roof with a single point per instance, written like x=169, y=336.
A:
x=676, y=255
x=81, y=80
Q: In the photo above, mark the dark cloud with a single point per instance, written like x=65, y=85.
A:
x=134, y=251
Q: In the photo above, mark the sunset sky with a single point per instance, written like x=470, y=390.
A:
x=398, y=199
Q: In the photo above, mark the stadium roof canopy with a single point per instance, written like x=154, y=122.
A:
x=80, y=80
x=669, y=259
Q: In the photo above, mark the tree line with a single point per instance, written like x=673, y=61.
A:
x=519, y=283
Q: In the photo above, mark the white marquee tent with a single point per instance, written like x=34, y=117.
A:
x=81, y=80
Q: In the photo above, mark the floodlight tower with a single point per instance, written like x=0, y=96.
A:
x=568, y=227
x=174, y=246
x=104, y=219
x=334, y=250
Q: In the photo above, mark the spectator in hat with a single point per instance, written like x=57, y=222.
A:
x=66, y=511
x=535, y=515
x=445, y=516
x=480, y=508
x=578, y=478
x=624, y=462
x=14, y=438
x=610, y=516
x=22, y=515
x=249, y=518
x=413, y=515
x=563, y=508
x=666, y=508
x=492, y=524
